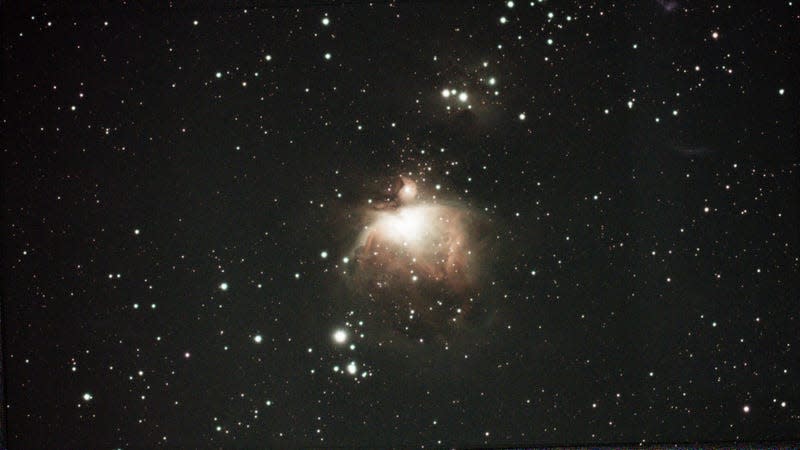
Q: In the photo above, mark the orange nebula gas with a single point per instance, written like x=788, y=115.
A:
x=418, y=257
x=418, y=243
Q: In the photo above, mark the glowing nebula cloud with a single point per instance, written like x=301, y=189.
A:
x=419, y=259
x=418, y=242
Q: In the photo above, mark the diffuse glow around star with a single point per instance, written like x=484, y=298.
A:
x=417, y=239
x=417, y=251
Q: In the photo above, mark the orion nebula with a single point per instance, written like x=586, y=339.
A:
x=419, y=259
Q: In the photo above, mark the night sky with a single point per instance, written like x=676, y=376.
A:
x=400, y=224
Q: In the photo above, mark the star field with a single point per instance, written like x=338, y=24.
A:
x=412, y=224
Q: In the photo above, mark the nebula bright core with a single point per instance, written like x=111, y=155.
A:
x=419, y=256
x=418, y=241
